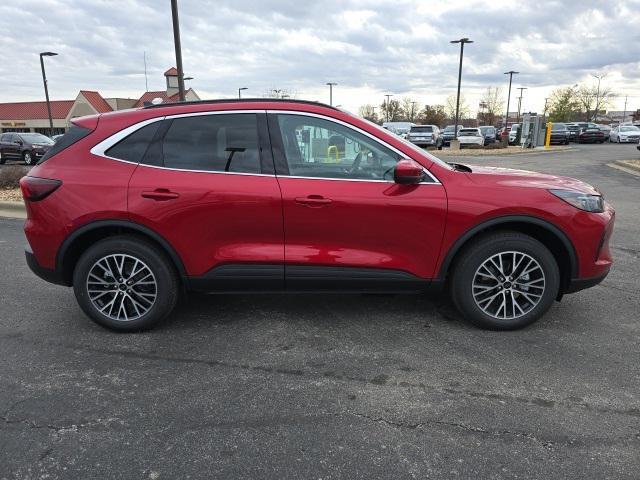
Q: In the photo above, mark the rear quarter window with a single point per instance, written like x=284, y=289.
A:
x=133, y=147
x=73, y=135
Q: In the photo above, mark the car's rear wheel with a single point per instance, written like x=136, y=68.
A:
x=27, y=158
x=2, y=159
x=125, y=283
x=505, y=281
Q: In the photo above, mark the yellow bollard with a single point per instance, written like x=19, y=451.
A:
x=333, y=149
x=547, y=139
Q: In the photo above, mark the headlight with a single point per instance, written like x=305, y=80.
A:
x=583, y=201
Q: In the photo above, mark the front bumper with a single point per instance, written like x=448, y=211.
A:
x=51, y=276
x=629, y=140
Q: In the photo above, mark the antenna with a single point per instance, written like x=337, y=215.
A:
x=146, y=85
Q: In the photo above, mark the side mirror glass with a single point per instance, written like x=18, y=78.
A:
x=408, y=172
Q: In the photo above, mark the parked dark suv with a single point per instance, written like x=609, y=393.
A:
x=133, y=207
x=559, y=134
x=28, y=147
x=448, y=134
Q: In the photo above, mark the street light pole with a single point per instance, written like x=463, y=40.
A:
x=46, y=88
x=520, y=100
x=599, y=77
x=388, y=95
x=178, y=47
x=511, y=73
x=240, y=90
x=331, y=85
x=462, y=41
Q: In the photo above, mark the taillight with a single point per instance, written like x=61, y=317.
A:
x=35, y=189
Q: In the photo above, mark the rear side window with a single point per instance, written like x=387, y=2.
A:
x=73, y=135
x=218, y=143
x=133, y=147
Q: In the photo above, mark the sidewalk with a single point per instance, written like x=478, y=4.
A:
x=10, y=209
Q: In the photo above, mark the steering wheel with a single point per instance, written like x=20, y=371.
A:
x=355, y=166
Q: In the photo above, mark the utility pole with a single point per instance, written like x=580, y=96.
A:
x=511, y=73
x=331, y=85
x=46, y=88
x=178, y=47
x=462, y=41
x=146, y=84
x=546, y=100
x=597, y=106
x=388, y=95
x=413, y=110
x=624, y=114
x=520, y=101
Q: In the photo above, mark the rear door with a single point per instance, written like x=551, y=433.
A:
x=348, y=226
x=206, y=184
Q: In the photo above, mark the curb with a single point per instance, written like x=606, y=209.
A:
x=12, y=209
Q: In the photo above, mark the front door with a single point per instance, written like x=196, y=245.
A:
x=207, y=185
x=347, y=224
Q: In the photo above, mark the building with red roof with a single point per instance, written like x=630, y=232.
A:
x=33, y=116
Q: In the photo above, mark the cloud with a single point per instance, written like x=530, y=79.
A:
x=368, y=47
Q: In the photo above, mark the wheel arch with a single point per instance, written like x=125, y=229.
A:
x=80, y=239
x=547, y=233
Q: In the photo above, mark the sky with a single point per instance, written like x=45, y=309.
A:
x=368, y=47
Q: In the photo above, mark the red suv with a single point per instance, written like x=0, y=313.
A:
x=132, y=208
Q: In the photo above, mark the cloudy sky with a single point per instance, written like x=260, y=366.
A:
x=369, y=47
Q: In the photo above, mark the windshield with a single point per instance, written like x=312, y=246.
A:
x=36, y=138
x=486, y=130
x=559, y=126
x=450, y=128
x=629, y=129
x=410, y=145
x=424, y=128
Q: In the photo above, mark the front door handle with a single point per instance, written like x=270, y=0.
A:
x=313, y=201
x=160, y=194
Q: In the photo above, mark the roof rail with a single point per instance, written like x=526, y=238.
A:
x=239, y=100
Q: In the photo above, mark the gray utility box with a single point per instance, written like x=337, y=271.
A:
x=532, y=131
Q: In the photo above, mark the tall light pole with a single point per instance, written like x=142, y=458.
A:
x=178, y=47
x=240, y=91
x=331, y=85
x=624, y=113
x=46, y=89
x=388, y=95
x=520, y=100
x=462, y=41
x=511, y=73
x=413, y=110
x=599, y=77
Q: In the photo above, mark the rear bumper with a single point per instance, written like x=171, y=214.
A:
x=51, y=276
x=577, y=284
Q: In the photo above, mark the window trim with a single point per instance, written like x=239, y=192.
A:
x=277, y=146
x=265, y=149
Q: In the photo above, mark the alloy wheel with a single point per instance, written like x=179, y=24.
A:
x=508, y=285
x=121, y=287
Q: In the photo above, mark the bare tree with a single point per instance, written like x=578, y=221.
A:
x=391, y=111
x=279, y=93
x=410, y=108
x=491, y=105
x=368, y=111
x=594, y=98
x=450, y=108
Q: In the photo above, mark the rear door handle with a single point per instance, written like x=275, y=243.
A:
x=313, y=201
x=160, y=194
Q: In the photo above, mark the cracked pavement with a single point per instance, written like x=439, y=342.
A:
x=328, y=386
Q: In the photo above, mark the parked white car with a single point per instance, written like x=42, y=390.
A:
x=625, y=134
x=470, y=136
x=513, y=133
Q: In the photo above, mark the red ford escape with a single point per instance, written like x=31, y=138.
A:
x=132, y=208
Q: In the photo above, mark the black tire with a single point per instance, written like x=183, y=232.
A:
x=27, y=158
x=481, y=250
x=166, y=282
x=3, y=159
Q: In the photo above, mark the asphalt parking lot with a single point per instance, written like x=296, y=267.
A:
x=300, y=386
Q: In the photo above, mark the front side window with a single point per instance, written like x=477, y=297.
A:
x=315, y=147
x=218, y=143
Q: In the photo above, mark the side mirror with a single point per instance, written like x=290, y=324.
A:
x=407, y=172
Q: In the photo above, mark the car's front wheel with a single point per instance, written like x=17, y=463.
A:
x=27, y=158
x=125, y=283
x=505, y=281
